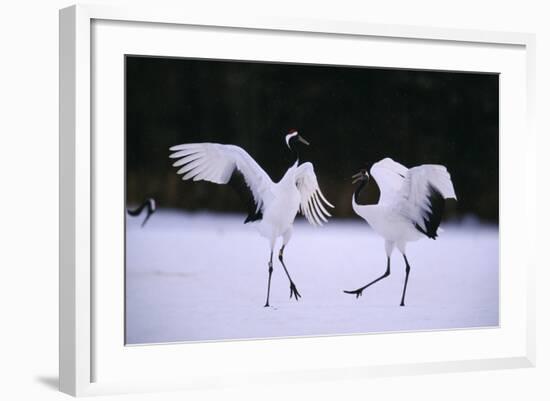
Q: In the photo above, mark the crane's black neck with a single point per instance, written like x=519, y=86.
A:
x=369, y=190
x=358, y=190
x=137, y=212
x=295, y=156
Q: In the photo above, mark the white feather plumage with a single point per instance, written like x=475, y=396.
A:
x=276, y=203
x=410, y=206
x=215, y=163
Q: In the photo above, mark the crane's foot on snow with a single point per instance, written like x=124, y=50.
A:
x=294, y=292
x=358, y=292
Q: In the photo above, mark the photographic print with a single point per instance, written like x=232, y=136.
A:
x=272, y=200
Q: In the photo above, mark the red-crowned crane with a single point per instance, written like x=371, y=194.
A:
x=272, y=206
x=410, y=207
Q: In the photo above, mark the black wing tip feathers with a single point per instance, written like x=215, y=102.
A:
x=434, y=216
x=254, y=217
x=238, y=183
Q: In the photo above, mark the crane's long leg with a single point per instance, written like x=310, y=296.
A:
x=293, y=291
x=270, y=270
x=407, y=270
x=358, y=292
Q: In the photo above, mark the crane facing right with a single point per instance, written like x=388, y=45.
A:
x=410, y=207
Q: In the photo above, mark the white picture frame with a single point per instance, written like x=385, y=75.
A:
x=79, y=214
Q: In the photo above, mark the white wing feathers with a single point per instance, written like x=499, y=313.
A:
x=311, y=197
x=389, y=176
x=216, y=163
x=422, y=186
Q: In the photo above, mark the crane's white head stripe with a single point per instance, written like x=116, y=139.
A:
x=287, y=138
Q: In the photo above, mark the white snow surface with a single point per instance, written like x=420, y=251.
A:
x=203, y=277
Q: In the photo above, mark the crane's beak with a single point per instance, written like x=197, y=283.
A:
x=358, y=177
x=301, y=139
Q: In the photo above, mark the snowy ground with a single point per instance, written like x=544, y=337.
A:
x=193, y=277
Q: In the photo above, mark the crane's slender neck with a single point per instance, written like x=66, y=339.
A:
x=359, y=189
x=295, y=156
x=148, y=203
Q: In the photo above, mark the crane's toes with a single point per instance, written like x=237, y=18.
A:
x=357, y=293
x=294, y=292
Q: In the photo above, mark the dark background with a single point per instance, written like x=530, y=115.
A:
x=352, y=116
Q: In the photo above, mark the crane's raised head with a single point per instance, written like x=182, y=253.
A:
x=292, y=137
x=362, y=175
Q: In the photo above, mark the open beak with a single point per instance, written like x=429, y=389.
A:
x=357, y=177
x=301, y=139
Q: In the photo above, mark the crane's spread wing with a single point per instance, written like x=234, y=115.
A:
x=225, y=164
x=311, y=197
x=390, y=176
x=422, y=197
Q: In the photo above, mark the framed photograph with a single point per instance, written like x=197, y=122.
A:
x=296, y=200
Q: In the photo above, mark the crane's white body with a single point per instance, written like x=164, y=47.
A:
x=387, y=223
x=281, y=206
x=274, y=205
x=404, y=202
x=410, y=206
